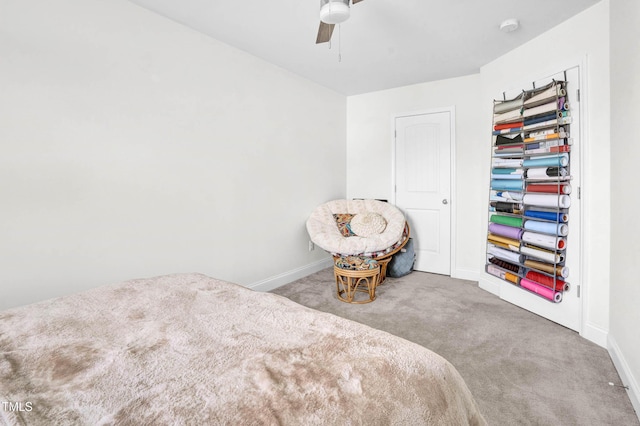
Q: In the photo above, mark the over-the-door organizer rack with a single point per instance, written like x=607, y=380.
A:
x=530, y=191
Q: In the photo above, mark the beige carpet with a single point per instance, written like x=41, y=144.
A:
x=522, y=369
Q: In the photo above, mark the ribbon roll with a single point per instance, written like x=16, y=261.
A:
x=551, y=242
x=559, y=270
x=543, y=291
x=547, y=227
x=547, y=200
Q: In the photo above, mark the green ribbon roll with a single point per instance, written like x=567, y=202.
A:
x=507, y=220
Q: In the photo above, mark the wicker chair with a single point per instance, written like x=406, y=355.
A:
x=325, y=232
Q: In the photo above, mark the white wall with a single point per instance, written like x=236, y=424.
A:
x=132, y=146
x=583, y=36
x=625, y=232
x=370, y=142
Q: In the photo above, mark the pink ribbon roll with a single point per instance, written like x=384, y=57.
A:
x=543, y=291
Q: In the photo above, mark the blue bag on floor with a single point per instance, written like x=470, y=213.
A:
x=402, y=262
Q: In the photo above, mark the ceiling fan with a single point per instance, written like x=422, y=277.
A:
x=332, y=12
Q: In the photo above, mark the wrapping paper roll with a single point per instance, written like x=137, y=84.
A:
x=542, y=147
x=545, y=172
x=504, y=254
x=510, y=195
x=547, y=93
x=516, y=222
x=508, y=243
x=505, y=231
x=508, y=177
x=537, y=145
x=505, y=140
x=506, y=207
x=535, y=120
x=551, y=242
x=507, y=117
x=508, y=125
x=512, y=277
x=541, y=109
x=507, y=131
x=561, y=102
x=556, y=160
x=507, y=184
x=564, y=156
x=546, y=255
x=556, y=217
x=543, y=136
x=504, y=264
x=541, y=124
x=503, y=107
x=549, y=150
x=564, y=188
x=547, y=281
x=495, y=271
x=507, y=171
x=555, y=130
x=543, y=291
x=508, y=276
x=504, y=150
x=508, y=150
x=493, y=198
x=506, y=162
x=559, y=270
x=547, y=227
x=547, y=200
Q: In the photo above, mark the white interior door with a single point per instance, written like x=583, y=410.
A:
x=423, y=186
x=568, y=312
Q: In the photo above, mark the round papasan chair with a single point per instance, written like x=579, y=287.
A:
x=368, y=228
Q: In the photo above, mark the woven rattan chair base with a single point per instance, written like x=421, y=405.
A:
x=356, y=286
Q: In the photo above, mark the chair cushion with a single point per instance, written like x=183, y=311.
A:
x=402, y=262
x=343, y=222
x=356, y=263
x=367, y=224
x=324, y=232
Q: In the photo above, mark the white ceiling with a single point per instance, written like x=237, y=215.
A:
x=384, y=44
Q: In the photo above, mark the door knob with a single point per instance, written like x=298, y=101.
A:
x=445, y=201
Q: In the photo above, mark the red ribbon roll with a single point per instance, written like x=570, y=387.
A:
x=550, y=189
x=545, y=280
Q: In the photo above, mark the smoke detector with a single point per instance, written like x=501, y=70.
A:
x=509, y=25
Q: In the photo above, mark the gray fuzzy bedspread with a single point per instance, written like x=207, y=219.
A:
x=192, y=350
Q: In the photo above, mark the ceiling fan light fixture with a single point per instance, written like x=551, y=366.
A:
x=334, y=11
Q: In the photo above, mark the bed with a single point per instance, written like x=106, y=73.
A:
x=190, y=349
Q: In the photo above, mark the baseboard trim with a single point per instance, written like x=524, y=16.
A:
x=595, y=334
x=465, y=274
x=626, y=375
x=489, y=286
x=279, y=280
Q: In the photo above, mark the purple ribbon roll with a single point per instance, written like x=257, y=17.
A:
x=505, y=231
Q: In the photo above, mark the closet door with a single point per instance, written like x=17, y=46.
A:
x=521, y=274
x=423, y=186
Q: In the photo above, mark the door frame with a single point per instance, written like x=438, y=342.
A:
x=452, y=174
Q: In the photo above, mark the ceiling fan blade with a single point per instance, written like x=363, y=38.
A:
x=355, y=1
x=324, y=32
